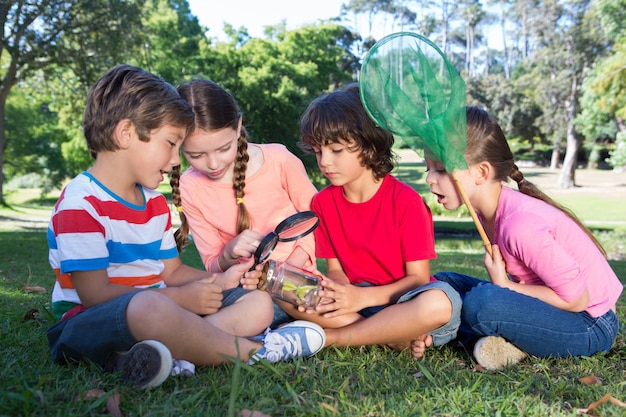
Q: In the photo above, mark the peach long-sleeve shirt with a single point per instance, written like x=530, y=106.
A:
x=280, y=188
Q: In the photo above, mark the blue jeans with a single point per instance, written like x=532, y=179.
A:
x=529, y=323
x=93, y=334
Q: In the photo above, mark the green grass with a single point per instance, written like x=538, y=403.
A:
x=370, y=381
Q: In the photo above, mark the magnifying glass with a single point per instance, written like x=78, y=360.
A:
x=292, y=228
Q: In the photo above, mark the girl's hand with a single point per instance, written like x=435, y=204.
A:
x=339, y=299
x=496, y=267
x=241, y=246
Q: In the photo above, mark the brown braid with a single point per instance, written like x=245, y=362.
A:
x=216, y=109
x=239, y=181
x=532, y=190
x=183, y=231
x=486, y=142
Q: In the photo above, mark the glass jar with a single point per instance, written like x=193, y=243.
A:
x=291, y=284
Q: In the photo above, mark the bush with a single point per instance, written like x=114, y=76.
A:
x=32, y=180
x=617, y=157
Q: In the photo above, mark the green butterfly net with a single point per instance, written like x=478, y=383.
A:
x=409, y=88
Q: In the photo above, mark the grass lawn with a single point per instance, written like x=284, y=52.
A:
x=370, y=381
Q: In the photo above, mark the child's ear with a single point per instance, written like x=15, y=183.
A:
x=483, y=172
x=123, y=133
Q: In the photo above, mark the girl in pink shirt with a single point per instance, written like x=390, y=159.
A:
x=552, y=291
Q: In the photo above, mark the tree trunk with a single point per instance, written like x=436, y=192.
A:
x=568, y=171
x=556, y=156
x=3, y=100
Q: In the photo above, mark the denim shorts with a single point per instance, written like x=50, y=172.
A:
x=445, y=333
x=234, y=294
x=92, y=334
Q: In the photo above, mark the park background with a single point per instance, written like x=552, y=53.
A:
x=556, y=82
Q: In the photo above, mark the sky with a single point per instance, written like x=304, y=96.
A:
x=255, y=14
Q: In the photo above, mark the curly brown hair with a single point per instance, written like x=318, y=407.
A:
x=339, y=117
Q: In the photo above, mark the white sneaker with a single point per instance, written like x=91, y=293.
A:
x=298, y=338
x=182, y=367
x=148, y=363
x=493, y=352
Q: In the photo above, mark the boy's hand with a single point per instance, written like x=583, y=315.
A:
x=235, y=275
x=339, y=299
x=202, y=296
x=250, y=280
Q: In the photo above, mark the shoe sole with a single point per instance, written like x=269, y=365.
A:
x=493, y=352
x=137, y=354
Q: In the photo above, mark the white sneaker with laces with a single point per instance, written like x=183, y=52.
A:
x=298, y=338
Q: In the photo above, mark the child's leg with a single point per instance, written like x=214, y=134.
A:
x=398, y=323
x=332, y=323
x=535, y=326
x=249, y=314
x=151, y=315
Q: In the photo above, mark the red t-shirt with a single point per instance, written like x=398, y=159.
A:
x=373, y=240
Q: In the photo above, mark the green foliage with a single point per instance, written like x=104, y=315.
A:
x=618, y=154
x=274, y=79
x=32, y=140
x=171, y=40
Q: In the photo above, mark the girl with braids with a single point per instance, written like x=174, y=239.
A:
x=552, y=292
x=236, y=192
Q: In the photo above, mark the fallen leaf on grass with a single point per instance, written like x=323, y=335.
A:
x=89, y=395
x=590, y=380
x=35, y=288
x=32, y=314
x=601, y=401
x=248, y=413
x=329, y=407
x=479, y=368
x=113, y=402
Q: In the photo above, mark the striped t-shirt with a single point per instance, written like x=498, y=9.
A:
x=92, y=228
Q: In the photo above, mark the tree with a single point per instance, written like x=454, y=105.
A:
x=37, y=34
x=273, y=80
x=171, y=40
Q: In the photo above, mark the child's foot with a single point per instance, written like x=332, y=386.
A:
x=298, y=338
x=419, y=345
x=148, y=364
x=494, y=352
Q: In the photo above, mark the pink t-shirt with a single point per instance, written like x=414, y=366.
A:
x=280, y=188
x=373, y=240
x=541, y=245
